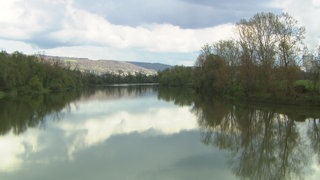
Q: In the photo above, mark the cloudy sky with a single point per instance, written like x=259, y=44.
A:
x=165, y=31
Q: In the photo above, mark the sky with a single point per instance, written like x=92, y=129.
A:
x=163, y=31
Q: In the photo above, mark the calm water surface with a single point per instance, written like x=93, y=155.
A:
x=150, y=133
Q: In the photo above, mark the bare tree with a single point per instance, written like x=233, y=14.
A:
x=315, y=72
x=268, y=40
x=289, y=46
x=258, y=41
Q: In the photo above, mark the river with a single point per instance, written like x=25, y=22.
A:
x=146, y=132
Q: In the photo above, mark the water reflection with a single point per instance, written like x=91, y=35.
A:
x=264, y=142
x=314, y=135
x=89, y=121
x=23, y=114
x=118, y=92
x=149, y=133
x=19, y=114
x=131, y=110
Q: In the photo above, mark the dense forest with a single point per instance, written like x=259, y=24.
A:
x=22, y=74
x=265, y=60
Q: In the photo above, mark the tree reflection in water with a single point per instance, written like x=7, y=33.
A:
x=264, y=141
x=18, y=114
x=314, y=135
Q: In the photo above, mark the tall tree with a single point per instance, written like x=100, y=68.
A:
x=269, y=41
x=290, y=42
x=258, y=41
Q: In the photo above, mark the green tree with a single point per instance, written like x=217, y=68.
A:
x=212, y=73
x=177, y=76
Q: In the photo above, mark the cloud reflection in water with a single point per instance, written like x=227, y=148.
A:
x=91, y=121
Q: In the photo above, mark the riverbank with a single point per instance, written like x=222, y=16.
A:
x=296, y=99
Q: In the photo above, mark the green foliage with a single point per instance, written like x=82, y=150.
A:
x=213, y=74
x=177, y=76
x=308, y=84
x=24, y=74
x=35, y=84
x=21, y=74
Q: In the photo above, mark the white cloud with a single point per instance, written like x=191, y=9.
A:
x=306, y=12
x=21, y=20
x=82, y=27
x=61, y=27
x=316, y=3
x=37, y=21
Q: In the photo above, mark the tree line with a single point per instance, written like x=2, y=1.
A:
x=22, y=74
x=264, y=59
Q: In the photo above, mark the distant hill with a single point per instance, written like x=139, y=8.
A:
x=153, y=66
x=101, y=66
x=109, y=66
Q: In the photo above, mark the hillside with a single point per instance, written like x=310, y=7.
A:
x=154, y=66
x=101, y=66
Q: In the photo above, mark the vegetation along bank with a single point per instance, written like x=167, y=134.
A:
x=267, y=62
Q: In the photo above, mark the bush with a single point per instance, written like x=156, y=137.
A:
x=300, y=89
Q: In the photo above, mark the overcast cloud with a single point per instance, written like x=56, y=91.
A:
x=167, y=31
